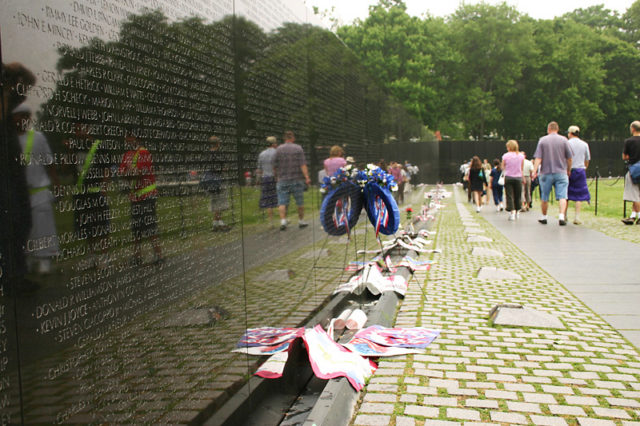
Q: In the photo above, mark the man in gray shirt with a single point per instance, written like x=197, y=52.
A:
x=268, y=193
x=290, y=167
x=554, y=156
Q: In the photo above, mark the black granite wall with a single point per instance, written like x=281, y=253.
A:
x=122, y=294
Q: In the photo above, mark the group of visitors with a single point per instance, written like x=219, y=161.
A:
x=283, y=174
x=560, y=163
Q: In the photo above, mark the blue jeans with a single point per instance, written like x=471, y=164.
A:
x=496, y=190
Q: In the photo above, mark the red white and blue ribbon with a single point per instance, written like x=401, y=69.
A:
x=412, y=337
x=382, y=215
x=341, y=213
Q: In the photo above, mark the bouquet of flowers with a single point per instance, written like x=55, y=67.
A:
x=375, y=174
x=343, y=174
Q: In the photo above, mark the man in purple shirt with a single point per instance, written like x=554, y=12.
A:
x=290, y=168
x=554, y=156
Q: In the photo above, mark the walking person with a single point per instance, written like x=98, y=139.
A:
x=554, y=156
x=335, y=161
x=137, y=167
x=496, y=188
x=292, y=175
x=264, y=173
x=41, y=173
x=631, y=154
x=527, y=172
x=486, y=167
x=477, y=181
x=578, y=189
x=512, y=163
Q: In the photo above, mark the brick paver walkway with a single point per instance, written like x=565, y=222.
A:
x=474, y=373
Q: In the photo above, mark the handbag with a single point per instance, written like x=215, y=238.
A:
x=501, y=179
x=634, y=171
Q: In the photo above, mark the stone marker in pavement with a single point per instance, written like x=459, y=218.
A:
x=523, y=316
x=493, y=273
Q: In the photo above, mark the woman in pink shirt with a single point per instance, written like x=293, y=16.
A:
x=335, y=160
x=512, y=163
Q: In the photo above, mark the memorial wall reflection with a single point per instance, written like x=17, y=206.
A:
x=131, y=159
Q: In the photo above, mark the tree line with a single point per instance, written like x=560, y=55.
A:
x=489, y=71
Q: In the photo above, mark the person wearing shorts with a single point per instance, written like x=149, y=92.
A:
x=292, y=175
x=554, y=157
x=578, y=189
x=631, y=154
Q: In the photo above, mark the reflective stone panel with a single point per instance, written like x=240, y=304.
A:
x=160, y=194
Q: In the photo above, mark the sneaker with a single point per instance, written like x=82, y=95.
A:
x=629, y=220
x=302, y=224
x=542, y=221
x=577, y=222
x=498, y=209
x=512, y=216
x=517, y=215
x=283, y=227
x=562, y=222
x=477, y=209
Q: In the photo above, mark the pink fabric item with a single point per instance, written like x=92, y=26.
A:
x=330, y=360
x=274, y=366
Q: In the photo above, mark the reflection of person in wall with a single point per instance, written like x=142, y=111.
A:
x=213, y=183
x=137, y=167
x=268, y=193
x=399, y=175
x=91, y=206
x=335, y=160
x=40, y=171
x=292, y=175
x=15, y=209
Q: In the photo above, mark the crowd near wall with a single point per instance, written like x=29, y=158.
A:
x=441, y=161
x=124, y=304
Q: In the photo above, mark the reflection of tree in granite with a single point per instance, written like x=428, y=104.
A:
x=176, y=84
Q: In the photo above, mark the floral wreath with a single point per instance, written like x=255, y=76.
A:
x=375, y=174
x=348, y=173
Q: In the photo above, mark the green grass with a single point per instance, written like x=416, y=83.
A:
x=609, y=198
x=610, y=202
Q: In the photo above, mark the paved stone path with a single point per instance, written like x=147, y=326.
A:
x=602, y=271
x=586, y=374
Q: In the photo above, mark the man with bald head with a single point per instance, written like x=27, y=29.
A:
x=553, y=155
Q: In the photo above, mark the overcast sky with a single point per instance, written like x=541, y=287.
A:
x=348, y=10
